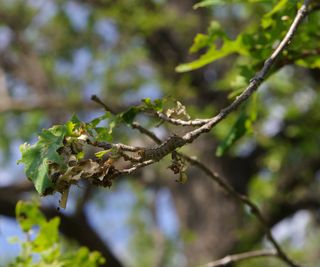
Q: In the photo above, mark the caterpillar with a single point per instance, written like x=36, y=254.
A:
x=163, y=149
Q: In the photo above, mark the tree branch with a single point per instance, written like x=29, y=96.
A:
x=240, y=257
x=246, y=201
x=172, y=143
x=255, y=81
x=179, y=122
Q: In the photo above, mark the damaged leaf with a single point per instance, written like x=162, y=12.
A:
x=37, y=157
x=178, y=112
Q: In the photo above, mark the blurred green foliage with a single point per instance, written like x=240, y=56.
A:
x=42, y=247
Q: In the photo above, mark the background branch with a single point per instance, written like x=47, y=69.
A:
x=246, y=201
x=240, y=257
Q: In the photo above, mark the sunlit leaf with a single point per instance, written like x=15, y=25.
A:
x=213, y=54
x=70, y=127
x=28, y=215
x=201, y=40
x=37, y=157
x=48, y=235
x=44, y=248
x=101, y=153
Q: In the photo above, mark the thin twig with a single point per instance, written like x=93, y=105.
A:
x=246, y=201
x=240, y=257
x=141, y=129
x=105, y=106
x=119, y=146
x=133, y=169
x=179, y=122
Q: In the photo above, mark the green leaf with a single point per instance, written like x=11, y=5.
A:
x=37, y=157
x=75, y=119
x=130, y=114
x=80, y=155
x=44, y=249
x=48, y=235
x=213, y=54
x=70, y=127
x=100, y=154
x=207, y=3
x=240, y=127
x=267, y=18
x=158, y=104
x=103, y=133
x=73, y=126
x=147, y=102
x=112, y=124
x=309, y=62
x=97, y=120
x=28, y=215
x=201, y=40
x=85, y=258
